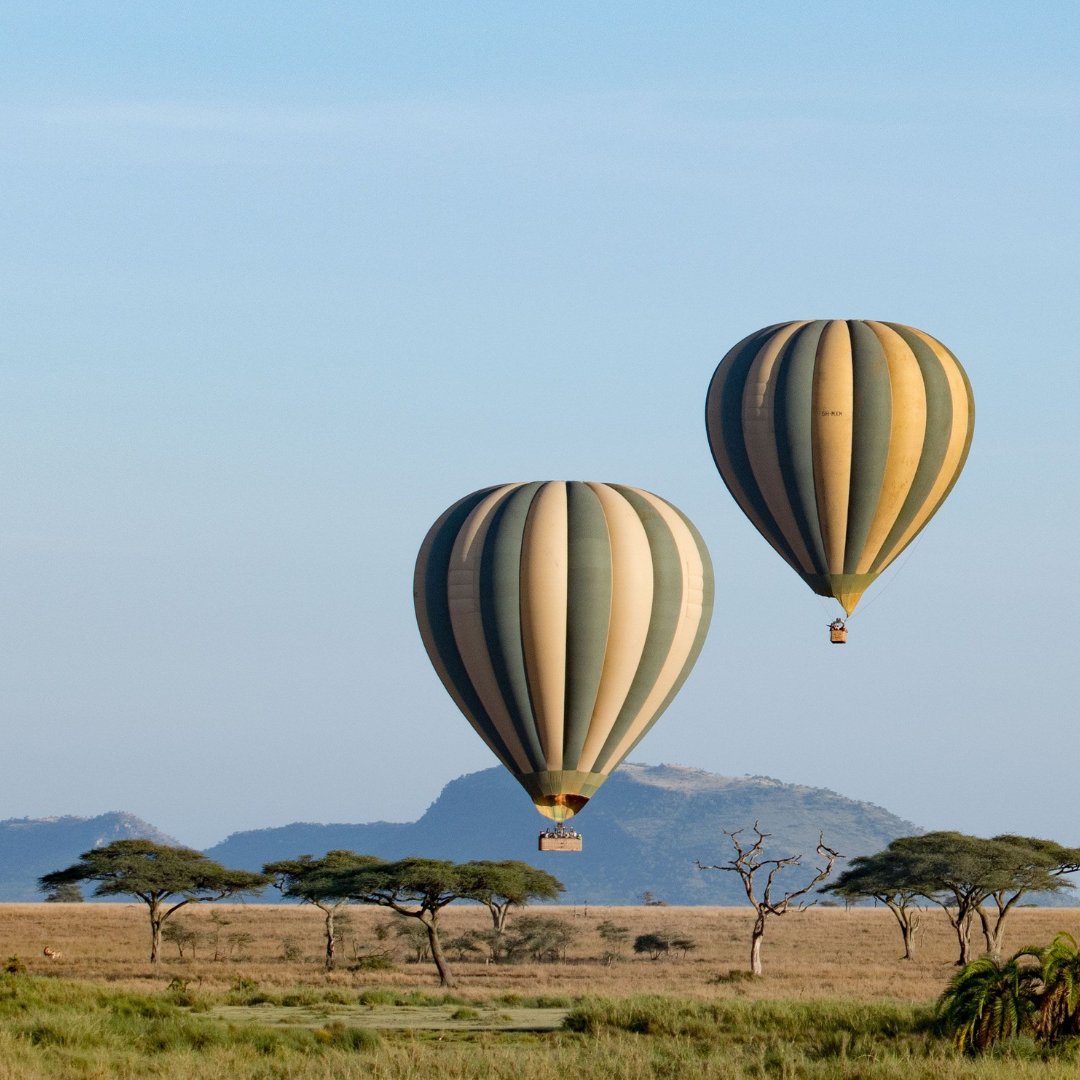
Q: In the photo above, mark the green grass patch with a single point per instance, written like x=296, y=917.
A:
x=410, y=997
x=537, y=1001
x=52, y=1029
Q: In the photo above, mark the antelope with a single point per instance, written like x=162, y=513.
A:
x=52, y=954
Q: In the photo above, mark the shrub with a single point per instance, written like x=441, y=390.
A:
x=342, y=1037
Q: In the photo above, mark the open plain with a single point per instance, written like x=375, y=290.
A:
x=253, y=1000
x=824, y=952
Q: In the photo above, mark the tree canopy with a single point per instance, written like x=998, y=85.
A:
x=416, y=888
x=318, y=882
x=962, y=873
x=421, y=888
x=156, y=874
x=500, y=886
x=890, y=880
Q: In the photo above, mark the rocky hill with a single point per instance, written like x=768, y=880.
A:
x=31, y=847
x=643, y=832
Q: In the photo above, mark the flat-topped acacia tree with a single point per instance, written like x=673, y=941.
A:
x=420, y=889
x=316, y=882
x=164, y=878
x=500, y=886
x=891, y=881
x=964, y=875
x=416, y=888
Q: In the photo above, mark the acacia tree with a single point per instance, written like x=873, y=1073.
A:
x=1030, y=865
x=156, y=874
x=887, y=878
x=415, y=888
x=68, y=893
x=499, y=886
x=750, y=863
x=312, y=881
x=420, y=889
x=962, y=873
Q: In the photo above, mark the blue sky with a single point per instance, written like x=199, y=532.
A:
x=280, y=282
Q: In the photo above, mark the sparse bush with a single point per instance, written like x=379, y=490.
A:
x=683, y=945
x=464, y=944
x=545, y=938
x=414, y=934
x=654, y=945
x=736, y=975
x=245, y=991
x=237, y=943
x=342, y=1037
x=181, y=935
x=373, y=962
x=614, y=936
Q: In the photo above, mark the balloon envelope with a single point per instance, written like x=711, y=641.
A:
x=562, y=617
x=839, y=440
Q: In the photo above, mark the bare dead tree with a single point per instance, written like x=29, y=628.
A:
x=749, y=864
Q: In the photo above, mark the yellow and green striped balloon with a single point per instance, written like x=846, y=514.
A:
x=839, y=440
x=562, y=617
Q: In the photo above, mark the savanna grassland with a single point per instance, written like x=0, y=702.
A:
x=835, y=1001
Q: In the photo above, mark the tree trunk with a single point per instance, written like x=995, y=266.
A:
x=156, y=922
x=963, y=936
x=755, y=944
x=907, y=932
x=993, y=933
x=908, y=921
x=331, y=941
x=498, y=922
x=435, y=945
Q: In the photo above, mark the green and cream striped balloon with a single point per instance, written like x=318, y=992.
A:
x=563, y=617
x=840, y=440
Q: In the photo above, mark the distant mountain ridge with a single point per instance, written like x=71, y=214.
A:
x=32, y=847
x=643, y=832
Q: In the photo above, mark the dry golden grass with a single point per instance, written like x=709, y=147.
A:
x=823, y=953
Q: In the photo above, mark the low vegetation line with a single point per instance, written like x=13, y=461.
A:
x=56, y=1028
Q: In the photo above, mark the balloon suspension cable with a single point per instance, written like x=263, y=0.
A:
x=897, y=568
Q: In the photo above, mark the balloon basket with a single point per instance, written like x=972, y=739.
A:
x=837, y=633
x=560, y=839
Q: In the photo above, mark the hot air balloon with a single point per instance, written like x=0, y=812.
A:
x=562, y=617
x=839, y=440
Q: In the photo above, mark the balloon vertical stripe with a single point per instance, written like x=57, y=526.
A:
x=432, y=602
x=795, y=427
x=871, y=406
x=588, y=606
x=501, y=577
